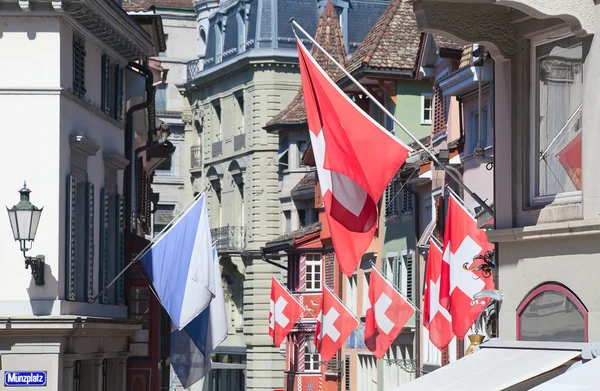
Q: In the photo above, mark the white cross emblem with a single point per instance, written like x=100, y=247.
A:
x=467, y=282
x=277, y=314
x=327, y=325
x=381, y=306
x=434, y=301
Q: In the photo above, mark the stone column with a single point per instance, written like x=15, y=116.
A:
x=96, y=378
x=68, y=373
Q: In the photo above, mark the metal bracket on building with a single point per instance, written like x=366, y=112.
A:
x=37, y=268
x=409, y=366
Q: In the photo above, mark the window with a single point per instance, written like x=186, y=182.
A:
x=139, y=305
x=352, y=293
x=426, y=109
x=77, y=376
x=287, y=217
x=162, y=217
x=112, y=88
x=367, y=373
x=552, y=313
x=557, y=77
x=473, y=134
x=241, y=119
x=219, y=41
x=160, y=98
x=217, y=126
x=79, y=66
x=365, y=292
x=302, y=217
x=311, y=361
x=407, y=269
x=313, y=272
x=302, y=145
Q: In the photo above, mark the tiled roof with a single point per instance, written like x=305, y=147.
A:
x=315, y=227
x=306, y=183
x=329, y=36
x=392, y=43
x=445, y=43
x=173, y=3
x=466, y=58
x=136, y=6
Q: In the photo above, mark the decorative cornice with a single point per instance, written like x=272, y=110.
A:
x=83, y=145
x=115, y=162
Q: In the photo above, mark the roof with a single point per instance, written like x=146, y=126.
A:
x=297, y=234
x=137, y=6
x=392, y=43
x=308, y=182
x=173, y=3
x=445, y=43
x=466, y=58
x=329, y=36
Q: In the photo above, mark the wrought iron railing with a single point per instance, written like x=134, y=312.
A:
x=229, y=238
x=196, y=152
x=217, y=148
x=193, y=68
x=239, y=141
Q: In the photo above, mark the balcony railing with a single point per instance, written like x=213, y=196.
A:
x=217, y=148
x=193, y=68
x=196, y=151
x=229, y=238
x=239, y=141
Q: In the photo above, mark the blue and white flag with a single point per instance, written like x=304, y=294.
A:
x=180, y=266
x=192, y=346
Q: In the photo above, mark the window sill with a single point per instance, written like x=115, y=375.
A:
x=425, y=122
x=545, y=231
x=557, y=199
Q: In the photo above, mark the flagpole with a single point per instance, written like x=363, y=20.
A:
x=392, y=284
x=393, y=118
x=147, y=248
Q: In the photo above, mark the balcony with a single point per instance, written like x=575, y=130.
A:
x=229, y=238
x=239, y=141
x=217, y=148
x=196, y=160
x=194, y=67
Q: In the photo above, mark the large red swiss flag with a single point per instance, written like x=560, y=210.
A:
x=355, y=157
x=284, y=311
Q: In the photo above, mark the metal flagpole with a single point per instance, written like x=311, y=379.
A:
x=391, y=116
x=147, y=248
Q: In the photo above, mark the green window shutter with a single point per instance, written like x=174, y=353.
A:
x=89, y=241
x=120, y=256
x=396, y=268
x=105, y=84
x=71, y=230
x=104, y=246
x=118, y=106
x=78, y=66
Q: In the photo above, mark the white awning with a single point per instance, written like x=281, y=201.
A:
x=584, y=377
x=495, y=368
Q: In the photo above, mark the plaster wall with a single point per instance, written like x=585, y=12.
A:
x=409, y=108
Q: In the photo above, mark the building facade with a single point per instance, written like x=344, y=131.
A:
x=81, y=98
x=246, y=73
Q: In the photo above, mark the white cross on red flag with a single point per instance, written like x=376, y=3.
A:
x=388, y=314
x=355, y=157
x=463, y=241
x=435, y=317
x=335, y=323
x=285, y=310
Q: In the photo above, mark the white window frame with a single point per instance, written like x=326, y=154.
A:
x=430, y=97
x=365, y=292
x=536, y=40
x=314, y=259
x=352, y=292
x=314, y=360
x=473, y=135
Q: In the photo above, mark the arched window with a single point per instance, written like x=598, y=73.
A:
x=552, y=313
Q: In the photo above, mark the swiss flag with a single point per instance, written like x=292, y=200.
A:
x=463, y=240
x=388, y=313
x=285, y=310
x=355, y=157
x=335, y=323
x=570, y=158
x=435, y=317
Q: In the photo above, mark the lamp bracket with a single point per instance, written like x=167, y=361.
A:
x=409, y=366
x=37, y=268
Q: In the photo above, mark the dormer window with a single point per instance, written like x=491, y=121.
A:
x=219, y=41
x=242, y=31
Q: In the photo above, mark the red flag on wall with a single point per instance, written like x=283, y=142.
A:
x=355, y=156
x=285, y=310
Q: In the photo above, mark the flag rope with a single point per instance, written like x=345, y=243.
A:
x=392, y=117
x=396, y=289
x=147, y=248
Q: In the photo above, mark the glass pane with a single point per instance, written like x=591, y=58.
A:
x=559, y=99
x=552, y=316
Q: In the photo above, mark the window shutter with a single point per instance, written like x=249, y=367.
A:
x=409, y=277
x=89, y=241
x=104, y=247
x=384, y=266
x=71, y=230
x=347, y=374
x=120, y=256
x=78, y=66
x=439, y=118
x=330, y=270
x=396, y=267
x=119, y=93
x=105, y=84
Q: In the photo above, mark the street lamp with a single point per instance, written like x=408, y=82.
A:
x=24, y=219
x=333, y=365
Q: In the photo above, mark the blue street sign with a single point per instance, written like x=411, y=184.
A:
x=25, y=379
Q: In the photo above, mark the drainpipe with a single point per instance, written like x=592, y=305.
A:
x=129, y=148
x=417, y=284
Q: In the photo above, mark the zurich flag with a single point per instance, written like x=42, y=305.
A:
x=180, y=266
x=192, y=346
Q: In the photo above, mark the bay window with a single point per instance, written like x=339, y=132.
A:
x=557, y=73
